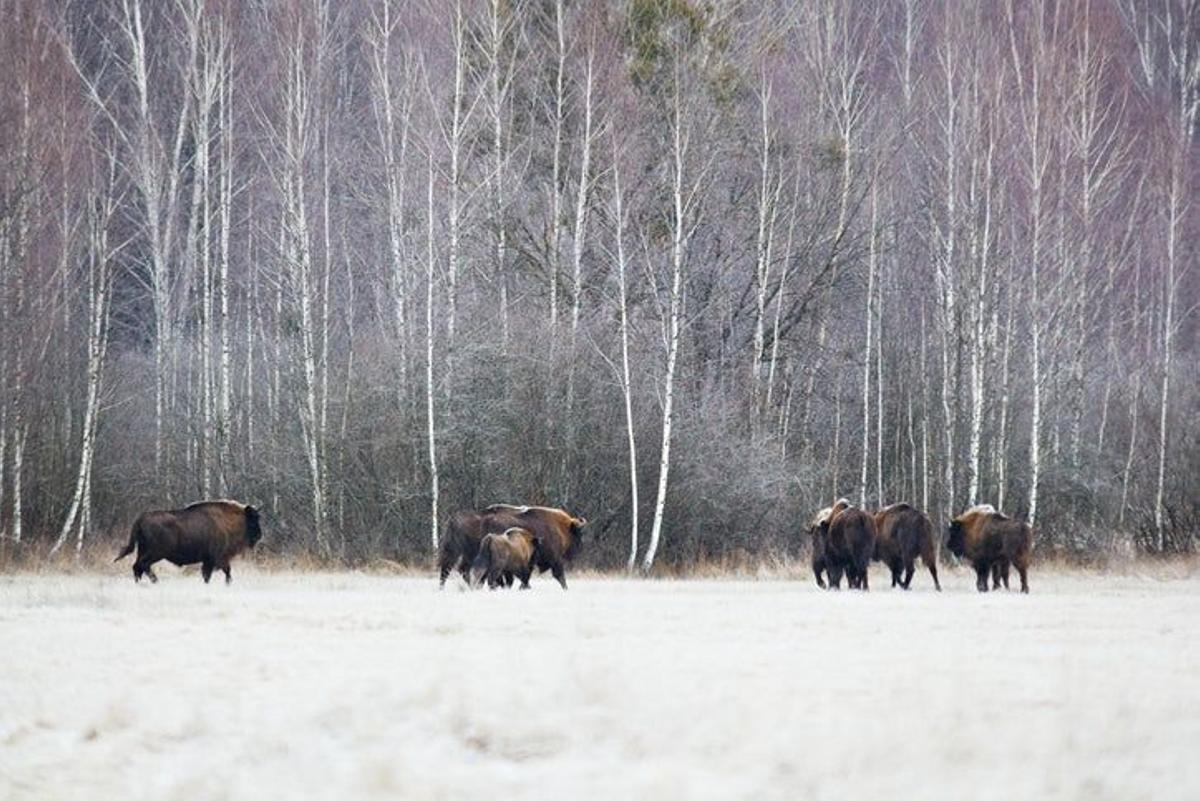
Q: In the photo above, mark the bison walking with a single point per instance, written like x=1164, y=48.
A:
x=991, y=542
x=902, y=534
x=208, y=533
x=502, y=556
x=557, y=532
x=845, y=539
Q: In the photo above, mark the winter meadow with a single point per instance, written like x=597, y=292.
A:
x=694, y=306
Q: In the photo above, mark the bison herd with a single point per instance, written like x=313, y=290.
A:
x=503, y=543
x=845, y=540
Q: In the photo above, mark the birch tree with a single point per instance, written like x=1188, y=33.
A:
x=100, y=208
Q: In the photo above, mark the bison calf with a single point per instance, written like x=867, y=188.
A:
x=209, y=533
x=502, y=556
x=902, y=534
x=991, y=542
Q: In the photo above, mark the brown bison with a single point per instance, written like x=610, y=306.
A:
x=557, y=532
x=210, y=533
x=991, y=542
x=817, y=531
x=846, y=542
x=503, y=556
x=902, y=534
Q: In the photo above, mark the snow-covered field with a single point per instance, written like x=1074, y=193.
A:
x=347, y=686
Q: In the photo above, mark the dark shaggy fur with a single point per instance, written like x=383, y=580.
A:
x=902, y=534
x=558, y=534
x=846, y=542
x=209, y=533
x=503, y=556
x=991, y=542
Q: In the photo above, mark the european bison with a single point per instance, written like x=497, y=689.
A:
x=502, y=556
x=557, y=531
x=902, y=534
x=846, y=540
x=817, y=531
x=991, y=542
x=210, y=533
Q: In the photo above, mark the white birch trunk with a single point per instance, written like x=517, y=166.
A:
x=225, y=381
x=429, y=379
x=78, y=516
x=388, y=109
x=626, y=383
x=556, y=162
x=678, y=243
x=866, y=393
x=1168, y=345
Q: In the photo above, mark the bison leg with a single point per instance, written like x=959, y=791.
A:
x=1022, y=571
x=559, y=574
x=206, y=570
x=143, y=566
x=933, y=572
x=981, y=577
x=445, y=565
x=909, y=569
x=864, y=583
x=817, y=570
x=835, y=577
x=524, y=576
x=228, y=575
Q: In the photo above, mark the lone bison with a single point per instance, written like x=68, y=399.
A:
x=991, y=542
x=557, y=531
x=902, y=534
x=846, y=540
x=502, y=556
x=210, y=533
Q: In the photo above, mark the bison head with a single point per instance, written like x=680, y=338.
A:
x=253, y=529
x=956, y=540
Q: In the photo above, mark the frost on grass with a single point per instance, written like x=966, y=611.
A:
x=290, y=685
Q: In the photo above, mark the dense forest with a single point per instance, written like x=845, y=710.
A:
x=690, y=268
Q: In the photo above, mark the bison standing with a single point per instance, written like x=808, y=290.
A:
x=902, y=534
x=502, y=556
x=210, y=533
x=991, y=542
x=846, y=542
x=557, y=532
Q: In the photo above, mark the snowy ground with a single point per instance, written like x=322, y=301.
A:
x=289, y=686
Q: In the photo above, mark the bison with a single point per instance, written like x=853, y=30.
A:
x=817, y=530
x=503, y=556
x=902, y=534
x=557, y=531
x=210, y=533
x=845, y=540
x=991, y=541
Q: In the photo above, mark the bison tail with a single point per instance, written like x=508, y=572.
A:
x=129, y=546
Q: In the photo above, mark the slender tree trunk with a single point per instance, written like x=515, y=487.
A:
x=429, y=379
x=866, y=393
x=626, y=383
x=1168, y=345
x=225, y=382
x=556, y=161
x=78, y=517
x=678, y=243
